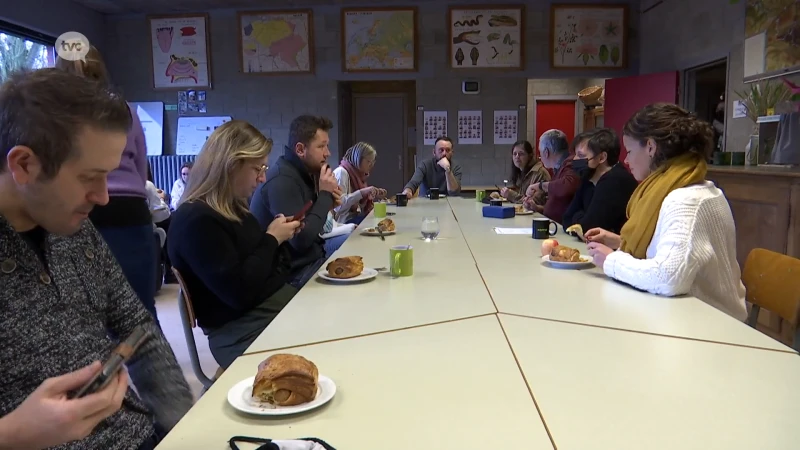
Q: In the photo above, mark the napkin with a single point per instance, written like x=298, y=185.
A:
x=270, y=444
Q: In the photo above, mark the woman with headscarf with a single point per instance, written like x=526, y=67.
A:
x=352, y=174
x=680, y=237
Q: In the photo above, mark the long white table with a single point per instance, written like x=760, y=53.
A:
x=521, y=284
x=566, y=358
x=604, y=389
x=446, y=386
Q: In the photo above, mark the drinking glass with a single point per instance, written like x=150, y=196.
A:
x=430, y=228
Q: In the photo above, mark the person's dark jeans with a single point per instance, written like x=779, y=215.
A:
x=135, y=251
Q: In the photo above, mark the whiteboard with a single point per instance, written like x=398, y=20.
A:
x=151, y=114
x=194, y=131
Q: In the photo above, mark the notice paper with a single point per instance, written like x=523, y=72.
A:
x=527, y=231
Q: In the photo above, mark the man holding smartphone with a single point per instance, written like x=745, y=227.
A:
x=300, y=176
x=64, y=302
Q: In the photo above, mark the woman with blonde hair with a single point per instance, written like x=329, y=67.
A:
x=351, y=175
x=235, y=272
x=125, y=222
x=680, y=237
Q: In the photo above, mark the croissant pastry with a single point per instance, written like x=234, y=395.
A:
x=563, y=253
x=386, y=225
x=286, y=380
x=347, y=267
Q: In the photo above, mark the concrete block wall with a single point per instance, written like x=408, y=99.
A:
x=271, y=102
x=681, y=34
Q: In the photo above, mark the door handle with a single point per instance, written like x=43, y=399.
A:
x=400, y=162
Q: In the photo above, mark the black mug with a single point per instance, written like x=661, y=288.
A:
x=543, y=228
x=433, y=194
x=402, y=200
x=496, y=202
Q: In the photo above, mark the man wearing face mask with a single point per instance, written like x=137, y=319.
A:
x=606, y=186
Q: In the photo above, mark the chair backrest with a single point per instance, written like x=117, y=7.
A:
x=187, y=300
x=772, y=281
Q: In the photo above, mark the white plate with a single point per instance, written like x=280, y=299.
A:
x=523, y=213
x=366, y=274
x=569, y=265
x=374, y=232
x=240, y=397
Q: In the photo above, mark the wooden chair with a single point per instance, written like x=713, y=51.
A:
x=189, y=323
x=772, y=281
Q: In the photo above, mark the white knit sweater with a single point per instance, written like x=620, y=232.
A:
x=693, y=251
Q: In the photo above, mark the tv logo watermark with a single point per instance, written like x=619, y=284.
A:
x=72, y=46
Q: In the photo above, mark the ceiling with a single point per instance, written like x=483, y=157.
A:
x=182, y=6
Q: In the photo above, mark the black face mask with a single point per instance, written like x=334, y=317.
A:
x=581, y=167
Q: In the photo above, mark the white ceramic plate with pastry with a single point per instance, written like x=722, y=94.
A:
x=522, y=212
x=585, y=261
x=366, y=274
x=374, y=232
x=240, y=396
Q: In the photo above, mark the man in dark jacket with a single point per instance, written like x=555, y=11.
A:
x=301, y=176
x=555, y=155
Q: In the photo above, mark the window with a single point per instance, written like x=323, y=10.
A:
x=23, y=49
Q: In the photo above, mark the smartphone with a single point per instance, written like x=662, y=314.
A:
x=114, y=363
x=302, y=214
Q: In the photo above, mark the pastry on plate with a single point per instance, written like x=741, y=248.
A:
x=562, y=253
x=386, y=225
x=495, y=196
x=519, y=209
x=286, y=380
x=346, y=267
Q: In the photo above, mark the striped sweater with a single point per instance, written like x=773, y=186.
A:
x=60, y=319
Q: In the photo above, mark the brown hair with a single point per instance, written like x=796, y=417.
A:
x=229, y=146
x=46, y=110
x=304, y=128
x=516, y=173
x=94, y=67
x=675, y=131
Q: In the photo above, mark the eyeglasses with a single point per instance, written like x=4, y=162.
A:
x=261, y=170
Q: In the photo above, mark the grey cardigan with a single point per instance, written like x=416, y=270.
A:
x=59, y=319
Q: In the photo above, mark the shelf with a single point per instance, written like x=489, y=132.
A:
x=769, y=119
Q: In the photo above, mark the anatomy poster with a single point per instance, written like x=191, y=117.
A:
x=505, y=127
x=434, y=126
x=180, y=52
x=486, y=38
x=470, y=127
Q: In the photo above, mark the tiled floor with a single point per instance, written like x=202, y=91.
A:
x=170, y=318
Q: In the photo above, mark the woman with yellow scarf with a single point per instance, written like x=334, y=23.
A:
x=680, y=237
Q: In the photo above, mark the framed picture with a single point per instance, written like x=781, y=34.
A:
x=181, y=53
x=491, y=37
x=379, y=39
x=588, y=36
x=276, y=42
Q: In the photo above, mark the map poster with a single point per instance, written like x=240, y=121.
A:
x=588, y=36
x=483, y=38
x=379, y=39
x=180, y=56
x=470, y=127
x=434, y=126
x=276, y=42
x=505, y=126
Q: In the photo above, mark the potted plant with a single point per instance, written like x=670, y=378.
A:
x=759, y=98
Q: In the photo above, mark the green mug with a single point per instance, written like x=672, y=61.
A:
x=480, y=195
x=380, y=210
x=401, y=261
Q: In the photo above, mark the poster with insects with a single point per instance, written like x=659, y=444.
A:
x=588, y=36
x=505, y=126
x=470, y=127
x=434, y=126
x=482, y=38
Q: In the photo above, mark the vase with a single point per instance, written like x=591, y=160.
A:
x=751, y=151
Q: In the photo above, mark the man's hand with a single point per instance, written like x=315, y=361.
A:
x=532, y=189
x=337, y=198
x=530, y=205
x=327, y=182
x=409, y=193
x=444, y=163
x=48, y=417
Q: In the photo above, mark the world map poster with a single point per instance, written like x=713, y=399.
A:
x=379, y=39
x=276, y=42
x=180, y=52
